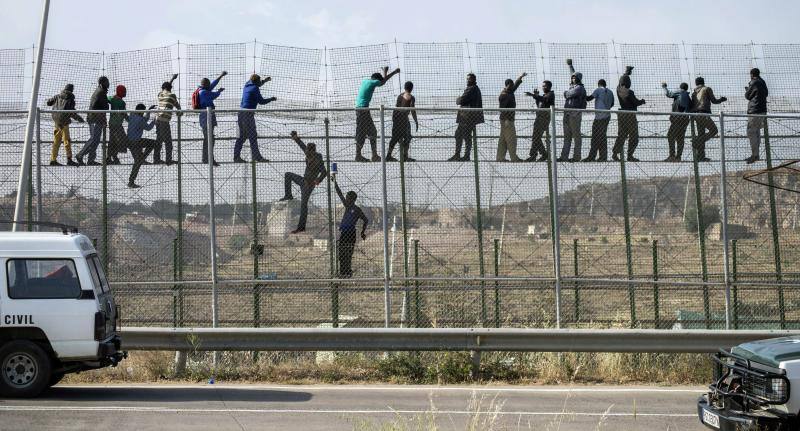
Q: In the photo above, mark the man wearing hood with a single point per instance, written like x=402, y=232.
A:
x=205, y=98
x=467, y=120
x=702, y=98
x=116, y=133
x=167, y=101
x=677, y=123
x=574, y=98
x=627, y=124
x=64, y=101
x=97, y=122
x=756, y=94
x=251, y=98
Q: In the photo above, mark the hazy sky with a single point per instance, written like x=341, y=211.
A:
x=95, y=25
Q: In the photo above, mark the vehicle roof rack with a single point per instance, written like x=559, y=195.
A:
x=65, y=229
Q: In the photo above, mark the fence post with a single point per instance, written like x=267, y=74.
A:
x=333, y=286
x=773, y=218
x=212, y=222
x=175, y=286
x=496, y=284
x=104, y=173
x=735, y=277
x=479, y=222
x=724, y=225
x=656, y=300
x=404, y=222
x=29, y=206
x=180, y=221
x=627, y=224
x=256, y=251
x=386, y=292
x=555, y=234
x=417, y=313
x=38, y=164
x=701, y=230
x=576, y=288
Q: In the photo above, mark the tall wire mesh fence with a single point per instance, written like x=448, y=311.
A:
x=469, y=241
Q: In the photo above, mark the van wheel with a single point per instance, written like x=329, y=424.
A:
x=25, y=369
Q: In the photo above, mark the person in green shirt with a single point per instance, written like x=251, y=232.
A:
x=116, y=141
x=365, y=127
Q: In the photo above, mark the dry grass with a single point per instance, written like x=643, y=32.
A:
x=412, y=368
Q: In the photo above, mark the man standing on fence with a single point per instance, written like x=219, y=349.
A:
x=702, y=98
x=347, y=230
x=603, y=100
x=467, y=120
x=756, y=94
x=140, y=147
x=64, y=101
x=365, y=127
x=508, y=131
x=116, y=133
x=575, y=98
x=167, y=101
x=544, y=102
x=401, y=127
x=314, y=174
x=97, y=122
x=627, y=124
x=251, y=98
x=677, y=123
x=203, y=98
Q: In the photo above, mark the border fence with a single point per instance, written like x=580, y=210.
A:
x=477, y=242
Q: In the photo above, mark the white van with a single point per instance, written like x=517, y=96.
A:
x=57, y=313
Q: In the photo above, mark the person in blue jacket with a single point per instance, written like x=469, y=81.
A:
x=205, y=99
x=251, y=98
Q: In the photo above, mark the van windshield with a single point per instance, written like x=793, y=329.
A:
x=98, y=276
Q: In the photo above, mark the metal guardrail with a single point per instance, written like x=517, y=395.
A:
x=466, y=339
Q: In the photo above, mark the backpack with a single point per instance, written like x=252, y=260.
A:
x=196, y=98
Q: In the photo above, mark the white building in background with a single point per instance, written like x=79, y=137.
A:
x=279, y=219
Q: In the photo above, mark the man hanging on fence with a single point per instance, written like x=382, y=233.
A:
x=314, y=173
x=574, y=98
x=64, y=101
x=401, y=127
x=139, y=146
x=603, y=100
x=203, y=98
x=97, y=122
x=508, y=131
x=116, y=132
x=251, y=98
x=347, y=230
x=676, y=134
x=467, y=120
x=365, y=127
x=756, y=94
x=542, y=122
x=627, y=124
x=702, y=98
x=167, y=101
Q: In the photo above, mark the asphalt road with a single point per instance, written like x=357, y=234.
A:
x=258, y=407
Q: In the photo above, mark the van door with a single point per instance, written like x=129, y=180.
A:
x=105, y=299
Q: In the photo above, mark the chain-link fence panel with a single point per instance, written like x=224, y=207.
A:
x=12, y=79
x=61, y=67
x=780, y=60
x=725, y=69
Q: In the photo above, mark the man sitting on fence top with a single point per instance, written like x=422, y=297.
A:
x=467, y=120
x=64, y=101
x=756, y=94
x=202, y=98
x=251, y=98
x=627, y=124
x=677, y=123
x=97, y=122
x=167, y=101
x=365, y=127
x=574, y=98
x=702, y=98
x=543, y=101
x=314, y=174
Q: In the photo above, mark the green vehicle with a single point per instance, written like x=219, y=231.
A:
x=753, y=387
